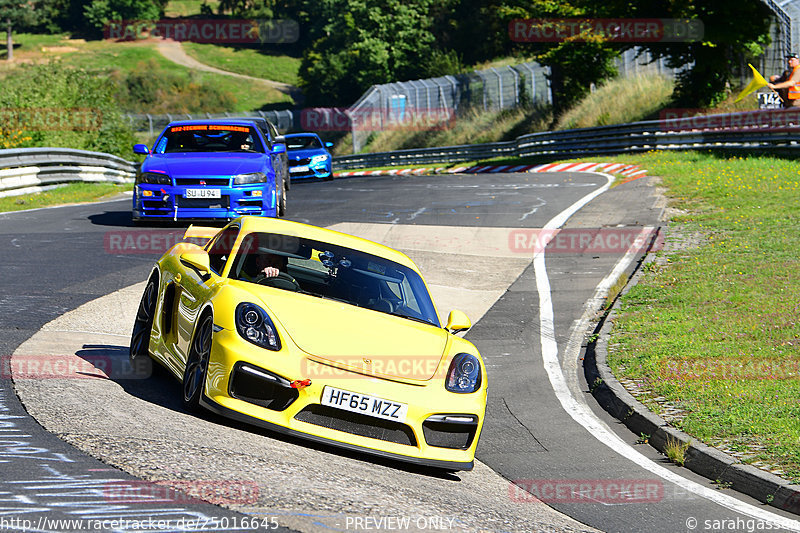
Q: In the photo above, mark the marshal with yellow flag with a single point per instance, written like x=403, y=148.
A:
x=757, y=83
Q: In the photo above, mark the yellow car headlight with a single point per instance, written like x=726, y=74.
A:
x=464, y=374
x=255, y=325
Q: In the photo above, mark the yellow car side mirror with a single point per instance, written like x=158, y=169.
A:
x=197, y=259
x=457, y=321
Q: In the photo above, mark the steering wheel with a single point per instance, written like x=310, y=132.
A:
x=281, y=281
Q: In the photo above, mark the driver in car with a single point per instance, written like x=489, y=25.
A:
x=270, y=265
x=271, y=269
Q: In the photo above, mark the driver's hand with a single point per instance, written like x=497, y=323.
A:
x=271, y=272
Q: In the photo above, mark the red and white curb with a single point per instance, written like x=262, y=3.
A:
x=628, y=171
x=393, y=172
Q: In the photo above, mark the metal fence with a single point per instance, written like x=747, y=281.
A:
x=638, y=61
x=490, y=89
x=782, y=40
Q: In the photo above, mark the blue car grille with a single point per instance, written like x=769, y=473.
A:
x=295, y=162
x=204, y=203
x=215, y=182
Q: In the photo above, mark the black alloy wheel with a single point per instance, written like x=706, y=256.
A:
x=143, y=325
x=282, y=201
x=194, y=375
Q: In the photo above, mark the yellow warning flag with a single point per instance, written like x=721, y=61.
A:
x=757, y=83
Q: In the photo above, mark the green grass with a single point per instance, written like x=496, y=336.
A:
x=619, y=101
x=471, y=128
x=250, y=96
x=106, y=56
x=187, y=8
x=714, y=328
x=258, y=62
x=73, y=193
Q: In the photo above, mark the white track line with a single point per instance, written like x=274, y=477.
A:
x=583, y=416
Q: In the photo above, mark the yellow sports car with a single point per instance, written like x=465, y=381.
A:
x=314, y=333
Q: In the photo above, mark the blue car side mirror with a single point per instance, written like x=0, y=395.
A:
x=141, y=149
x=328, y=145
x=278, y=148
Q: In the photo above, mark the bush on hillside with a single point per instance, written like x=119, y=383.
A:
x=49, y=105
x=150, y=88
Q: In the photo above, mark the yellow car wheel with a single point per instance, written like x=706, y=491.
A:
x=194, y=375
x=143, y=325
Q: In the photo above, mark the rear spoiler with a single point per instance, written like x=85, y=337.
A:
x=199, y=234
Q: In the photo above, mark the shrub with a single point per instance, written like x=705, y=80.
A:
x=150, y=88
x=56, y=106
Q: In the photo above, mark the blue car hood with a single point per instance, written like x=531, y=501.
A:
x=218, y=164
x=302, y=154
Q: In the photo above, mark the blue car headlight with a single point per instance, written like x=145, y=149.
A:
x=464, y=374
x=247, y=179
x=254, y=325
x=154, y=178
x=319, y=159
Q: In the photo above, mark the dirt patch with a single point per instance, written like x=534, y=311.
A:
x=58, y=49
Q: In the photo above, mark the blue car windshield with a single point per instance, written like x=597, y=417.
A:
x=330, y=271
x=209, y=138
x=302, y=143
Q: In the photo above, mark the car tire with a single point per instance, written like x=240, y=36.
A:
x=143, y=324
x=194, y=375
x=283, y=200
x=281, y=208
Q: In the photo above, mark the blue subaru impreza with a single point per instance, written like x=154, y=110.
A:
x=211, y=169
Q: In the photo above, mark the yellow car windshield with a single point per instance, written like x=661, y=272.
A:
x=331, y=271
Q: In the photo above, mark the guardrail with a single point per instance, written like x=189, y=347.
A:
x=28, y=170
x=752, y=130
x=33, y=169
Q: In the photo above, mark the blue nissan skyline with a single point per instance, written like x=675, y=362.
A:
x=212, y=169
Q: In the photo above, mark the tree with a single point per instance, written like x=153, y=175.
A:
x=731, y=29
x=577, y=61
x=99, y=13
x=247, y=8
x=16, y=14
x=362, y=43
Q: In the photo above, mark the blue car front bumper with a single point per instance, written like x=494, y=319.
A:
x=300, y=170
x=169, y=202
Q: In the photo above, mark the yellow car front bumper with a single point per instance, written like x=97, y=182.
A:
x=253, y=385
